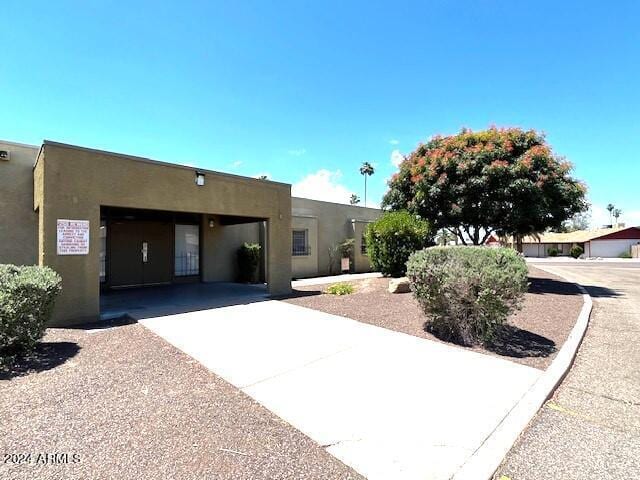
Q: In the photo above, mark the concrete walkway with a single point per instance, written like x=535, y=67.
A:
x=388, y=404
x=347, y=277
x=590, y=429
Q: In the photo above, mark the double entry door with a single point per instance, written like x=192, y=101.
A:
x=141, y=253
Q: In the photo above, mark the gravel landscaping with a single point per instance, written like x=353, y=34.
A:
x=532, y=337
x=123, y=403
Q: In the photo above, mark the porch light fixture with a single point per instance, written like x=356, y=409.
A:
x=212, y=224
x=199, y=179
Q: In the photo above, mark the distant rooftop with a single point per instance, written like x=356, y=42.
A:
x=579, y=236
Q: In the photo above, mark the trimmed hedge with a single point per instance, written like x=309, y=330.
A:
x=27, y=296
x=392, y=238
x=248, y=261
x=467, y=293
x=576, y=251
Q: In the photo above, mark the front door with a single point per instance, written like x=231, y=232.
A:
x=140, y=253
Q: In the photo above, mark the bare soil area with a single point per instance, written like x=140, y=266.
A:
x=532, y=337
x=123, y=403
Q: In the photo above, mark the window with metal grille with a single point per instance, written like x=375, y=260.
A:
x=187, y=250
x=299, y=243
x=363, y=245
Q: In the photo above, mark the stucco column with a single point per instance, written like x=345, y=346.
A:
x=80, y=298
x=279, y=253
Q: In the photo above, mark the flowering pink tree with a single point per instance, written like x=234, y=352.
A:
x=503, y=180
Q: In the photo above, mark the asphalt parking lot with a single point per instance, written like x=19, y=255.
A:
x=590, y=429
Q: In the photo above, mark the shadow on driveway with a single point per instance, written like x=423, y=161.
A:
x=155, y=301
x=543, y=286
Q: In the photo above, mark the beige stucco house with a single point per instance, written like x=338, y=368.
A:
x=106, y=221
x=603, y=242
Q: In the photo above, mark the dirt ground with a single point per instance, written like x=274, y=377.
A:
x=533, y=335
x=123, y=403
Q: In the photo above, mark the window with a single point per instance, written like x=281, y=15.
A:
x=299, y=243
x=187, y=253
x=363, y=245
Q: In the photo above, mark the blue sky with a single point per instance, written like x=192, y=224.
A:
x=306, y=91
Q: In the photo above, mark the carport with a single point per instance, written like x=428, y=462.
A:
x=148, y=302
x=154, y=210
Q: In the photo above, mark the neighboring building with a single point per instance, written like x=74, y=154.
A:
x=492, y=241
x=319, y=227
x=604, y=242
x=105, y=221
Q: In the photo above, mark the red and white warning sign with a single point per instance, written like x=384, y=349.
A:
x=73, y=237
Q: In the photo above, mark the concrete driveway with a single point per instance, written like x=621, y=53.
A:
x=591, y=427
x=388, y=404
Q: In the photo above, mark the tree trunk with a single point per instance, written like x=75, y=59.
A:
x=518, y=239
x=365, y=191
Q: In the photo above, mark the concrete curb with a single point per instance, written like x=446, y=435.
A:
x=487, y=458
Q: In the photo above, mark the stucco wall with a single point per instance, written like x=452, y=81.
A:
x=541, y=249
x=334, y=225
x=306, y=265
x=360, y=260
x=533, y=250
x=77, y=181
x=611, y=248
x=18, y=220
x=220, y=247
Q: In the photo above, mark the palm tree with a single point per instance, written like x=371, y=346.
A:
x=610, y=207
x=355, y=199
x=366, y=170
x=616, y=214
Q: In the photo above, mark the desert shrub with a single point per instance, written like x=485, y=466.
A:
x=27, y=296
x=625, y=255
x=467, y=293
x=392, y=238
x=341, y=288
x=347, y=250
x=347, y=247
x=553, y=252
x=576, y=251
x=248, y=261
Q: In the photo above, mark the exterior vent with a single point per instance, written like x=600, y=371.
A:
x=4, y=155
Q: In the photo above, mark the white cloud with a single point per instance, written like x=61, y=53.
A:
x=600, y=216
x=297, y=152
x=322, y=185
x=393, y=141
x=396, y=158
x=237, y=163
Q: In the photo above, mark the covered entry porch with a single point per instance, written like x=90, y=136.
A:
x=156, y=262
x=159, y=210
x=144, y=247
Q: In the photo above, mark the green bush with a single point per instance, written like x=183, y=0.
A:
x=341, y=288
x=392, y=238
x=27, y=296
x=467, y=293
x=553, y=252
x=347, y=250
x=625, y=255
x=248, y=261
x=576, y=251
